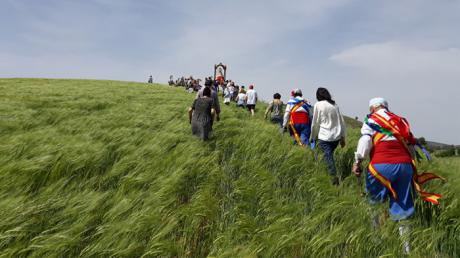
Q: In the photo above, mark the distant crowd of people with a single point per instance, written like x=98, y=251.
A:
x=188, y=83
x=228, y=88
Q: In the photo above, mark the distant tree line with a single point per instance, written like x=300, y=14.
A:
x=440, y=150
x=448, y=152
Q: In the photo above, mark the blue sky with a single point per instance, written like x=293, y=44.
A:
x=406, y=51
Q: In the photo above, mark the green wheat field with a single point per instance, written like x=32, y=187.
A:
x=110, y=169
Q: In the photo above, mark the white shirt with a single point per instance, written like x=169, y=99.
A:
x=241, y=99
x=327, y=123
x=251, y=97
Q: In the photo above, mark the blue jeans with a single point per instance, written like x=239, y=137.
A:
x=328, y=148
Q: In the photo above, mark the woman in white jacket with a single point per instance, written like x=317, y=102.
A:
x=328, y=128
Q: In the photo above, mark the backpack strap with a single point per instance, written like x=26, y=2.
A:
x=291, y=123
x=388, y=128
x=417, y=179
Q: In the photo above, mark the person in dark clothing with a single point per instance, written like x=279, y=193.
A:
x=201, y=113
x=214, y=97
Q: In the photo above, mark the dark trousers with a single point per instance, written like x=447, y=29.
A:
x=328, y=148
x=277, y=120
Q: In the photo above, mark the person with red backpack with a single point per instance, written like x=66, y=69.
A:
x=297, y=118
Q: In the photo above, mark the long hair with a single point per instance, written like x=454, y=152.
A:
x=323, y=94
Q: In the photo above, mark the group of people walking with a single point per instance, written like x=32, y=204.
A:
x=189, y=83
x=206, y=108
x=386, y=140
x=247, y=99
x=322, y=124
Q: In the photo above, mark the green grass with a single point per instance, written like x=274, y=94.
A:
x=105, y=168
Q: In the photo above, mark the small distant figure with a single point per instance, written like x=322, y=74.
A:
x=251, y=99
x=201, y=115
x=227, y=95
x=226, y=85
x=150, y=79
x=197, y=87
x=231, y=90
x=236, y=91
x=216, y=85
x=275, y=107
x=241, y=98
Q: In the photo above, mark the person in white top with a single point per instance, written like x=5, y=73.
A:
x=328, y=128
x=251, y=99
x=231, y=90
x=241, y=98
x=227, y=96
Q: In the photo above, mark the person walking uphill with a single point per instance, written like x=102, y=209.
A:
x=275, y=107
x=328, y=128
x=297, y=117
x=200, y=115
x=214, y=96
x=391, y=162
x=387, y=140
x=227, y=96
x=251, y=99
x=241, y=98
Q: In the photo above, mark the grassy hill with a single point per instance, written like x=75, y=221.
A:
x=105, y=168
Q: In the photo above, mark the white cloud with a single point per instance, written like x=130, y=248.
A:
x=234, y=30
x=395, y=58
x=422, y=84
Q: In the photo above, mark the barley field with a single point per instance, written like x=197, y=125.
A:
x=110, y=169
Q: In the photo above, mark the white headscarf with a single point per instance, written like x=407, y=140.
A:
x=378, y=102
